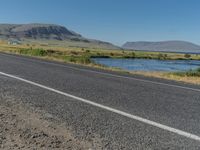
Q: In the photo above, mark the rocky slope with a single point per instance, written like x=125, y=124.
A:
x=48, y=32
x=36, y=31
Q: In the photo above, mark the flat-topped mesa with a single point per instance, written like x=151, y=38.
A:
x=37, y=31
x=49, y=32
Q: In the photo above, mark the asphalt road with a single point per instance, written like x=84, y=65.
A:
x=120, y=111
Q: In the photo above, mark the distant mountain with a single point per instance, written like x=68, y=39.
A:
x=48, y=32
x=35, y=31
x=169, y=46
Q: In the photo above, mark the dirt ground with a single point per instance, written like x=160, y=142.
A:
x=22, y=128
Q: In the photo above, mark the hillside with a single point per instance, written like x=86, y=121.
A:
x=49, y=32
x=169, y=46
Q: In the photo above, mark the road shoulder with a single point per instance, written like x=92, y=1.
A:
x=22, y=128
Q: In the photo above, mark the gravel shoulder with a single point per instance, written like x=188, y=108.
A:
x=22, y=128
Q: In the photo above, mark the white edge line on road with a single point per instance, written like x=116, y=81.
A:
x=106, y=74
x=143, y=120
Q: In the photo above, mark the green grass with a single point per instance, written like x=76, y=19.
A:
x=72, y=57
x=33, y=52
x=78, y=59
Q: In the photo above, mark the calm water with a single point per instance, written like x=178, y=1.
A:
x=149, y=65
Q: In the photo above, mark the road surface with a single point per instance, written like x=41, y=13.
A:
x=120, y=111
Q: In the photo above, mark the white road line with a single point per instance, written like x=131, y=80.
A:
x=143, y=120
x=107, y=74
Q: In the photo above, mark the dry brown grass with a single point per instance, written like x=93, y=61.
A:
x=169, y=76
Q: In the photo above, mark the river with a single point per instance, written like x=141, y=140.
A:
x=149, y=64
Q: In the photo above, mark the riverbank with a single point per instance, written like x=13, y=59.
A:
x=83, y=56
x=181, y=77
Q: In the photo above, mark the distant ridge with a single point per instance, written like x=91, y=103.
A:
x=38, y=31
x=168, y=46
x=47, y=31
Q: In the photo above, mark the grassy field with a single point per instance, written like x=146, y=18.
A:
x=62, y=50
x=83, y=56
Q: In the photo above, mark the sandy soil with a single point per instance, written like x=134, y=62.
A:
x=21, y=128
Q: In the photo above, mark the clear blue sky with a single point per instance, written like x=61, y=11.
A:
x=115, y=21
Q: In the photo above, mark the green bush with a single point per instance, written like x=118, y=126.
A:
x=133, y=55
x=38, y=52
x=72, y=59
x=162, y=56
x=34, y=52
x=79, y=59
x=111, y=54
x=87, y=51
x=23, y=51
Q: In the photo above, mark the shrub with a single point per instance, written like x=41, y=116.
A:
x=187, y=55
x=23, y=51
x=72, y=59
x=34, y=52
x=74, y=52
x=133, y=55
x=84, y=60
x=38, y=52
x=98, y=54
x=79, y=59
x=50, y=51
x=162, y=56
x=87, y=51
x=112, y=54
x=190, y=73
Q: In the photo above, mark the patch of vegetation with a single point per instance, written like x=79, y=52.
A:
x=100, y=56
x=79, y=59
x=73, y=56
x=87, y=51
x=187, y=55
x=33, y=52
x=133, y=55
x=162, y=56
x=190, y=73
